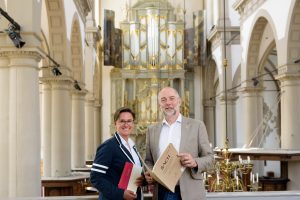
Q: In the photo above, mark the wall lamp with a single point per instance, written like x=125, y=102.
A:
x=55, y=70
x=13, y=30
x=255, y=81
x=76, y=85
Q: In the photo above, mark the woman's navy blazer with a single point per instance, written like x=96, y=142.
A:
x=108, y=166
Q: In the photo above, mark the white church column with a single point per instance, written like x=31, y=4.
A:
x=89, y=129
x=23, y=109
x=60, y=129
x=227, y=121
x=77, y=130
x=97, y=126
x=290, y=112
x=24, y=125
x=4, y=128
x=290, y=126
x=46, y=128
x=225, y=129
x=252, y=103
x=91, y=36
x=209, y=118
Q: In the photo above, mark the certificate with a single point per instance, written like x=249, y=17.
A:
x=167, y=169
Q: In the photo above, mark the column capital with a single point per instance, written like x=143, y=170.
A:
x=251, y=89
x=288, y=77
x=89, y=96
x=230, y=97
x=97, y=104
x=21, y=53
x=209, y=103
x=90, y=100
x=79, y=92
x=57, y=83
x=289, y=69
x=77, y=95
x=56, y=79
x=92, y=35
x=246, y=8
x=288, y=72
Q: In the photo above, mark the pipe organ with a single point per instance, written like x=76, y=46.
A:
x=152, y=58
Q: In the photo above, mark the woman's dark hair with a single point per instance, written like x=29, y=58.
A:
x=121, y=110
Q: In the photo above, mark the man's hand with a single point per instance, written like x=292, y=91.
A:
x=139, y=181
x=149, y=179
x=187, y=160
x=129, y=195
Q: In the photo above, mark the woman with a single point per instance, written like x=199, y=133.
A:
x=111, y=157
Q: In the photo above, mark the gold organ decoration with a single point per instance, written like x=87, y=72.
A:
x=185, y=108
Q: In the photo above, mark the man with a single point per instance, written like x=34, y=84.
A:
x=190, y=139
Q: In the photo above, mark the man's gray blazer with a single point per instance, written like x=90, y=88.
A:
x=194, y=140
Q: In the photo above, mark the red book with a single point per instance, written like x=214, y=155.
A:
x=129, y=175
x=125, y=177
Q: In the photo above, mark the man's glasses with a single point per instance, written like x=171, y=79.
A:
x=123, y=122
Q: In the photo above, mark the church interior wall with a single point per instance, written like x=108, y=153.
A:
x=235, y=59
x=233, y=14
x=273, y=40
x=215, y=11
x=268, y=10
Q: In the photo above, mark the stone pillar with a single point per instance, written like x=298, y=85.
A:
x=290, y=112
x=60, y=128
x=46, y=128
x=4, y=122
x=209, y=119
x=24, y=125
x=89, y=129
x=252, y=105
x=226, y=127
x=91, y=36
x=229, y=119
x=289, y=78
x=77, y=130
x=97, y=126
x=23, y=110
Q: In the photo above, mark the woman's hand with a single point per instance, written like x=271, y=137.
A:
x=149, y=179
x=129, y=195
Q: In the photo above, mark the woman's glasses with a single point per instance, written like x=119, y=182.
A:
x=123, y=122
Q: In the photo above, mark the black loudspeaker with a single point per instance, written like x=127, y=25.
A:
x=189, y=47
x=109, y=37
x=118, y=48
x=199, y=20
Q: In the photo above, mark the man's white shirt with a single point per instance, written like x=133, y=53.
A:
x=170, y=134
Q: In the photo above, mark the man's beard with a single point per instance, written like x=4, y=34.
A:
x=169, y=112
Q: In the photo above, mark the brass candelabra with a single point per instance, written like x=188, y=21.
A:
x=230, y=175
